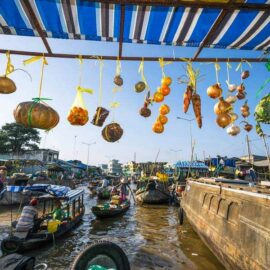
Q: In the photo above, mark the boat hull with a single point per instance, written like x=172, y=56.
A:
x=233, y=222
x=110, y=212
x=152, y=197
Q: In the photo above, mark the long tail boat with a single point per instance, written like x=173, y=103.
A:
x=232, y=217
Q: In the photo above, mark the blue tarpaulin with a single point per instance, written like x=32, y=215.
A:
x=183, y=26
x=193, y=165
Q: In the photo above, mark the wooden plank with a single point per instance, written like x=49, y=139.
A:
x=121, y=37
x=183, y=3
x=38, y=27
x=129, y=58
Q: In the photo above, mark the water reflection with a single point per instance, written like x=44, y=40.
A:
x=150, y=236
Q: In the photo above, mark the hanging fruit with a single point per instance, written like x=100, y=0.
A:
x=248, y=127
x=233, y=130
x=214, y=91
x=241, y=95
x=232, y=87
x=118, y=80
x=100, y=116
x=164, y=109
x=36, y=115
x=166, y=80
x=139, y=87
x=158, y=97
x=196, y=103
x=164, y=90
x=245, y=110
x=223, y=120
x=7, y=86
x=145, y=112
x=158, y=127
x=231, y=99
x=163, y=119
x=112, y=132
x=222, y=106
x=187, y=98
x=245, y=74
x=241, y=88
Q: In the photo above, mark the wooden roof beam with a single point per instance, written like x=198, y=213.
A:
x=184, y=3
x=121, y=37
x=129, y=58
x=37, y=26
x=214, y=28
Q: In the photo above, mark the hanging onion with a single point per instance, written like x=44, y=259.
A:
x=222, y=106
x=232, y=87
x=233, y=116
x=233, y=130
x=231, y=99
x=248, y=127
x=223, y=120
x=214, y=91
x=245, y=74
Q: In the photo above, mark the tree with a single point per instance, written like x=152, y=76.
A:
x=17, y=138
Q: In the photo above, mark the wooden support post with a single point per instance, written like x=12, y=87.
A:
x=121, y=37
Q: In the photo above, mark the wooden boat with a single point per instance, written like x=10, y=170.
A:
x=232, y=218
x=73, y=206
x=101, y=212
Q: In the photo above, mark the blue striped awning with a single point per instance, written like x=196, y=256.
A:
x=183, y=26
x=193, y=165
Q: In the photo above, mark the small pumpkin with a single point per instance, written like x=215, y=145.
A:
x=112, y=132
x=164, y=90
x=118, y=80
x=214, y=91
x=245, y=74
x=158, y=127
x=166, y=80
x=7, y=86
x=248, y=127
x=241, y=88
x=158, y=97
x=139, y=87
x=36, y=115
x=233, y=130
x=223, y=120
x=163, y=119
x=145, y=112
x=232, y=87
x=164, y=109
x=222, y=106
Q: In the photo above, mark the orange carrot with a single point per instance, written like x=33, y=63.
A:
x=187, y=98
x=196, y=103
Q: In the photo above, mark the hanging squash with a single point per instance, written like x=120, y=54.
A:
x=158, y=127
x=214, y=91
x=139, y=87
x=112, y=132
x=164, y=109
x=223, y=120
x=233, y=130
x=7, y=86
x=36, y=115
x=222, y=106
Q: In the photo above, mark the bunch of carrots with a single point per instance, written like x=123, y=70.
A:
x=191, y=95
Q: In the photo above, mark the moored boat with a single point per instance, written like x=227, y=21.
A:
x=107, y=211
x=232, y=218
x=23, y=241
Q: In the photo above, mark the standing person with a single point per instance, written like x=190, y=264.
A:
x=58, y=212
x=105, y=183
x=28, y=218
x=123, y=189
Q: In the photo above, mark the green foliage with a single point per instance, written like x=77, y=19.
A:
x=17, y=138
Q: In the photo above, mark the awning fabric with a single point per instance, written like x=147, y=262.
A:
x=193, y=165
x=184, y=26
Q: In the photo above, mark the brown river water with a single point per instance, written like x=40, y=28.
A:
x=150, y=236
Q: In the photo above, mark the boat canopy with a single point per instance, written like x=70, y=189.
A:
x=69, y=197
x=192, y=165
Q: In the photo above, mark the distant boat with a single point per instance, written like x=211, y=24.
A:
x=232, y=218
x=23, y=241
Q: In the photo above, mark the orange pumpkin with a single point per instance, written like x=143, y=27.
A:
x=164, y=90
x=36, y=115
x=158, y=97
x=164, y=109
x=163, y=119
x=78, y=116
x=158, y=127
x=166, y=80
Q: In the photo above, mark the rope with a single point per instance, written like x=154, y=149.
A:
x=100, y=88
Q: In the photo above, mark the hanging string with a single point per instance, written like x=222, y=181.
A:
x=9, y=67
x=217, y=69
x=101, y=65
x=141, y=71
x=162, y=63
x=118, y=67
x=228, y=72
x=81, y=69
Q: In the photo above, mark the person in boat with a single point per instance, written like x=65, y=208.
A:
x=105, y=183
x=151, y=184
x=28, y=219
x=123, y=189
x=58, y=212
x=3, y=172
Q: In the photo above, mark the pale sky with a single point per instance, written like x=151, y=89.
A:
x=61, y=79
